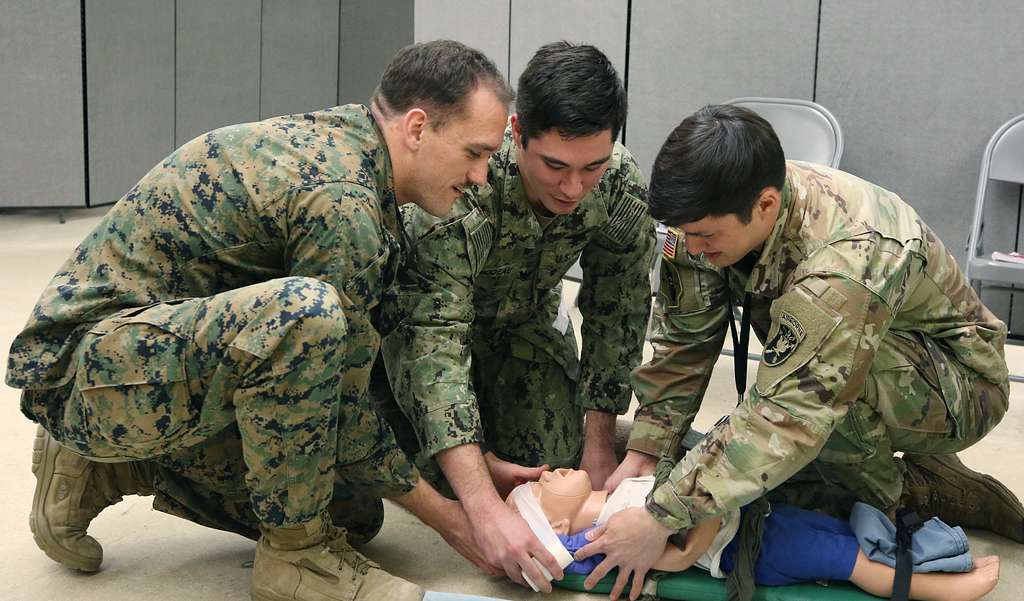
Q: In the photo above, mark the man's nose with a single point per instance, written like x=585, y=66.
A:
x=572, y=186
x=478, y=173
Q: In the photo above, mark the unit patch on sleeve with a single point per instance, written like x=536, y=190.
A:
x=789, y=335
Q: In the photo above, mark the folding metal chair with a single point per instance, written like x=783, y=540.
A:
x=1003, y=160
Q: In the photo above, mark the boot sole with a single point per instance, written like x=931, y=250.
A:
x=44, y=453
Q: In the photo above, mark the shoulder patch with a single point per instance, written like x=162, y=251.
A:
x=672, y=238
x=623, y=219
x=786, y=340
x=480, y=236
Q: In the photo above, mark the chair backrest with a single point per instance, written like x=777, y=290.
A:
x=1003, y=160
x=806, y=130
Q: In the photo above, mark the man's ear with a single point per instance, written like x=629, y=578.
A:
x=769, y=200
x=517, y=131
x=414, y=123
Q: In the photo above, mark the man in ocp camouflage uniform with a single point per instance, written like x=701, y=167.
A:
x=481, y=361
x=874, y=342
x=210, y=341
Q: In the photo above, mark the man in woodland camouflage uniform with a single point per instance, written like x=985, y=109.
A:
x=481, y=362
x=874, y=342
x=211, y=340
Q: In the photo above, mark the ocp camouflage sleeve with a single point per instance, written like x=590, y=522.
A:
x=830, y=325
x=427, y=352
x=689, y=326
x=614, y=299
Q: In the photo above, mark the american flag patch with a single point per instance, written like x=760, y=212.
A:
x=669, y=247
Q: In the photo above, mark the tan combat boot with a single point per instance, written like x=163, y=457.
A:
x=940, y=485
x=314, y=562
x=72, y=490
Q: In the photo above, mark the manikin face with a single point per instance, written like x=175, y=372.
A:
x=567, y=499
x=724, y=239
x=559, y=172
x=454, y=156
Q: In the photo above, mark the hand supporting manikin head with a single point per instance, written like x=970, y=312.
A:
x=570, y=505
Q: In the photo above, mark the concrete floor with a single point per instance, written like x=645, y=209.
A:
x=152, y=556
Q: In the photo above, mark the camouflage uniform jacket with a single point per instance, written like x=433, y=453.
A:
x=846, y=263
x=490, y=271
x=299, y=195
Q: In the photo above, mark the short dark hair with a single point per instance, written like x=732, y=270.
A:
x=439, y=76
x=716, y=162
x=572, y=88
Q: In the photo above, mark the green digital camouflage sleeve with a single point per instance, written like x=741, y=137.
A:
x=615, y=297
x=335, y=236
x=689, y=328
x=825, y=331
x=427, y=354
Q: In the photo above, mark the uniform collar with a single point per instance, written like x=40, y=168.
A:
x=380, y=162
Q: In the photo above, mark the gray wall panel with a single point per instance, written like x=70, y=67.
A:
x=217, y=65
x=130, y=80
x=482, y=24
x=371, y=32
x=601, y=23
x=299, y=56
x=685, y=54
x=42, y=148
x=919, y=87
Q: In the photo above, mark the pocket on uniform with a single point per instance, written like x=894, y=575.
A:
x=910, y=393
x=366, y=287
x=134, y=398
x=855, y=438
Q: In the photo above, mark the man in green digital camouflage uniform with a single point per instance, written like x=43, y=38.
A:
x=211, y=340
x=481, y=360
x=874, y=342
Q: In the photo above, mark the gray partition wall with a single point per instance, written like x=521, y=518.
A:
x=688, y=53
x=217, y=65
x=482, y=24
x=42, y=149
x=534, y=23
x=160, y=72
x=371, y=31
x=129, y=49
x=919, y=87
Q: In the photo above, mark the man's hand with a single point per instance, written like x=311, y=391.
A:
x=635, y=464
x=598, y=458
x=632, y=540
x=449, y=520
x=507, y=541
x=498, y=532
x=507, y=475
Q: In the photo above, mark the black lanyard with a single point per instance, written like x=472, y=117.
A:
x=740, y=343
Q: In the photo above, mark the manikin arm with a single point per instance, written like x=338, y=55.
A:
x=698, y=540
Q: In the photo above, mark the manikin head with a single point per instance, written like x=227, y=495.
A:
x=567, y=500
x=570, y=107
x=442, y=107
x=719, y=177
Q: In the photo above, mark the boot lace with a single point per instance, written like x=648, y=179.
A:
x=336, y=542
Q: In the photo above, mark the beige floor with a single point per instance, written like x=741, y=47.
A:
x=155, y=557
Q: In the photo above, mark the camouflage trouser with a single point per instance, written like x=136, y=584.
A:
x=248, y=400
x=917, y=399
x=527, y=400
